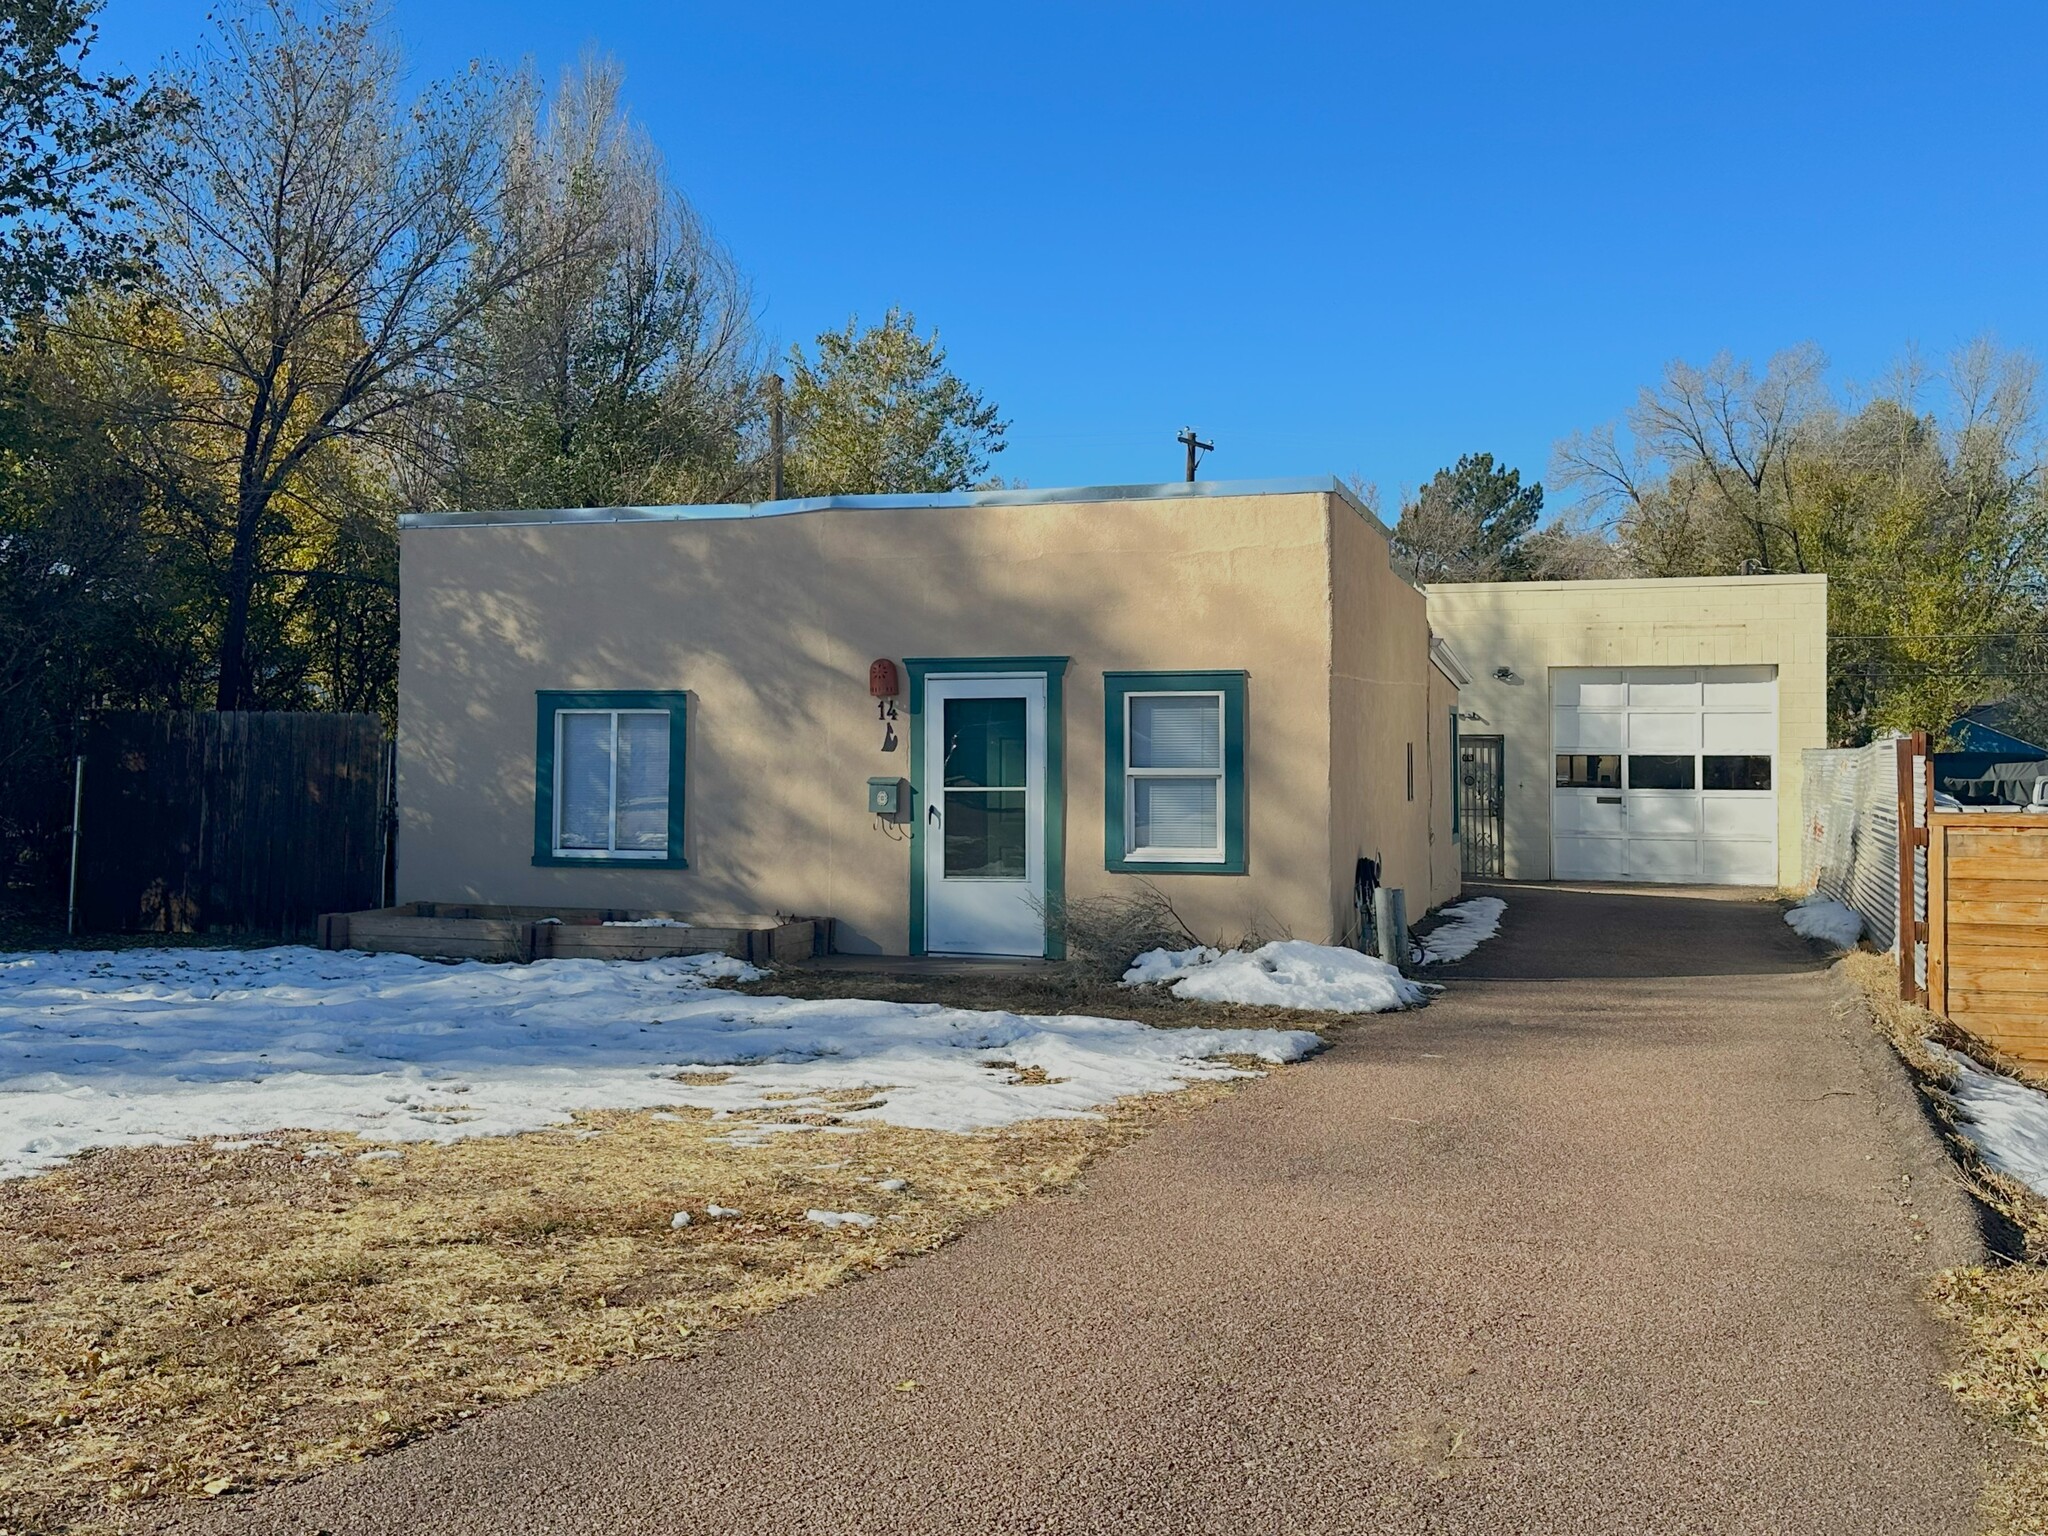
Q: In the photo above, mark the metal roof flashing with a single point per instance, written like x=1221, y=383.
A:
x=1024, y=497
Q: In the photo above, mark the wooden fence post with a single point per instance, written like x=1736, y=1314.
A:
x=1916, y=799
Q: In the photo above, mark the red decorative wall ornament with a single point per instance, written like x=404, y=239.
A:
x=882, y=682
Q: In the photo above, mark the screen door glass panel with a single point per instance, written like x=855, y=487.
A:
x=985, y=743
x=985, y=789
x=985, y=834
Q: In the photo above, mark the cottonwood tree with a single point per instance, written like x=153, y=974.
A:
x=322, y=247
x=1705, y=477
x=877, y=411
x=1467, y=523
x=625, y=370
x=1928, y=513
x=1924, y=507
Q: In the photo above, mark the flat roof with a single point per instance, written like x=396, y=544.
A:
x=1435, y=588
x=1175, y=490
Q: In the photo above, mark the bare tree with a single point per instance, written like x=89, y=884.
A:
x=1658, y=516
x=1924, y=506
x=626, y=370
x=323, y=244
x=1723, y=427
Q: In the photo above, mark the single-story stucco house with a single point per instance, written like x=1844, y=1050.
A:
x=932, y=719
x=1637, y=730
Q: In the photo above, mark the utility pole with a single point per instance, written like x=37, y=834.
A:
x=1195, y=447
x=774, y=437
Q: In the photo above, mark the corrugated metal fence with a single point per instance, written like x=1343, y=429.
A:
x=1849, y=807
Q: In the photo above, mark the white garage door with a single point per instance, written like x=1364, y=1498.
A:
x=1665, y=773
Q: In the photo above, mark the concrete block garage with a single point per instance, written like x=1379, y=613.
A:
x=1637, y=730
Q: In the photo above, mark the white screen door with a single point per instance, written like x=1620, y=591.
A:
x=984, y=815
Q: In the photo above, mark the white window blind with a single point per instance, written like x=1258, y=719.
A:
x=611, y=784
x=1174, y=776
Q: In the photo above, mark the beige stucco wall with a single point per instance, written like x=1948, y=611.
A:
x=770, y=624
x=1383, y=703
x=1532, y=627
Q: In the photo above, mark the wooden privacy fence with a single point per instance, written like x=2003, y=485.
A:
x=1987, y=927
x=190, y=822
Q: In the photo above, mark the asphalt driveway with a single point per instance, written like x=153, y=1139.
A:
x=1621, y=1235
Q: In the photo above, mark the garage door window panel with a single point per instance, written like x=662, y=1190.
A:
x=1588, y=770
x=1748, y=773
x=1660, y=771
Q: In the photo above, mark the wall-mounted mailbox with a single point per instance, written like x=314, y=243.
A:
x=888, y=797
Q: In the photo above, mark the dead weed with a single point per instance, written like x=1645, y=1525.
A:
x=194, y=1320
x=2000, y=1309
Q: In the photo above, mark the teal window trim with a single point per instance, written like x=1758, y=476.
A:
x=1053, y=669
x=547, y=704
x=1116, y=686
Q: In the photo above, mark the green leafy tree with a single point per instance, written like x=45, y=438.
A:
x=877, y=412
x=94, y=608
x=63, y=132
x=1468, y=523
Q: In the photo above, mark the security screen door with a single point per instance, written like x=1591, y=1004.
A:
x=984, y=815
x=1481, y=800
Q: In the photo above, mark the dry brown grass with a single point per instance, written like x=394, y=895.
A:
x=186, y=1321
x=1052, y=989
x=1999, y=1310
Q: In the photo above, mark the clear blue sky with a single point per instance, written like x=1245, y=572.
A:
x=1342, y=239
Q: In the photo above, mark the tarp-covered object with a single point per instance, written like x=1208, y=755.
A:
x=1978, y=778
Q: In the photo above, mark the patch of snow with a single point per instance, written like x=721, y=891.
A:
x=381, y=1155
x=1289, y=973
x=721, y=1212
x=1469, y=924
x=893, y=1186
x=836, y=1219
x=151, y=1047
x=1818, y=917
x=2007, y=1120
x=680, y=1220
x=645, y=922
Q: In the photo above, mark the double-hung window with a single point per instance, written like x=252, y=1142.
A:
x=609, y=786
x=1175, y=772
